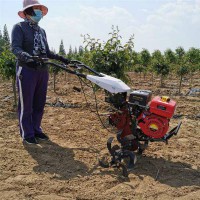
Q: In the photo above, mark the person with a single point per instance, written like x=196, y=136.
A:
x=28, y=39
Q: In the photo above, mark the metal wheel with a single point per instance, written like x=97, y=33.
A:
x=115, y=148
x=104, y=159
x=124, y=169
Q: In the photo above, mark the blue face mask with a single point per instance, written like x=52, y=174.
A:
x=38, y=15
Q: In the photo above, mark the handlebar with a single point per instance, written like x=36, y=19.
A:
x=42, y=59
x=73, y=64
x=39, y=59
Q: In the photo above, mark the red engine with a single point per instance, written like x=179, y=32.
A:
x=155, y=123
x=139, y=121
x=151, y=117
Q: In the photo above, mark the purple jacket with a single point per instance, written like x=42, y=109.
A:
x=22, y=40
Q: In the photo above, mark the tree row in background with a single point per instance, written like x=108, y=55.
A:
x=114, y=58
x=7, y=60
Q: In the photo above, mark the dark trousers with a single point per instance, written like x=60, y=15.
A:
x=32, y=88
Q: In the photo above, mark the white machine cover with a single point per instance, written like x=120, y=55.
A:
x=109, y=83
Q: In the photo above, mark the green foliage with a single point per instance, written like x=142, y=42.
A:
x=134, y=58
x=7, y=64
x=75, y=51
x=110, y=57
x=182, y=70
x=70, y=53
x=114, y=58
x=180, y=55
x=144, y=61
x=62, y=51
x=6, y=37
x=138, y=69
x=170, y=56
x=145, y=58
x=80, y=50
x=193, y=59
x=1, y=42
x=170, y=59
x=7, y=69
x=159, y=65
x=162, y=69
x=157, y=57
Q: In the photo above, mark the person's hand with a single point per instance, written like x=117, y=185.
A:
x=24, y=56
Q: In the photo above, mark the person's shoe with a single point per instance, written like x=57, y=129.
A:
x=41, y=136
x=31, y=140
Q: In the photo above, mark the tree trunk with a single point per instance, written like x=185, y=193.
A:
x=144, y=75
x=65, y=76
x=180, y=84
x=191, y=78
x=54, y=81
x=152, y=78
x=14, y=91
x=161, y=81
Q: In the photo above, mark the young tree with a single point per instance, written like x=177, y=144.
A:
x=62, y=51
x=6, y=37
x=130, y=44
x=110, y=57
x=56, y=70
x=75, y=51
x=1, y=36
x=145, y=60
x=7, y=69
x=170, y=59
x=159, y=65
x=180, y=53
x=193, y=60
x=181, y=71
x=170, y=56
x=80, y=50
x=7, y=60
x=70, y=52
x=182, y=68
x=138, y=68
x=1, y=42
x=134, y=64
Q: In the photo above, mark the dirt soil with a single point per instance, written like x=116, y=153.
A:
x=66, y=167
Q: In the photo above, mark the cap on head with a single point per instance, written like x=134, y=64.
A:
x=31, y=3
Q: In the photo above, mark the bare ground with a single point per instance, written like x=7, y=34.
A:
x=66, y=167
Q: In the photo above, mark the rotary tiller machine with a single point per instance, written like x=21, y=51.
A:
x=138, y=118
